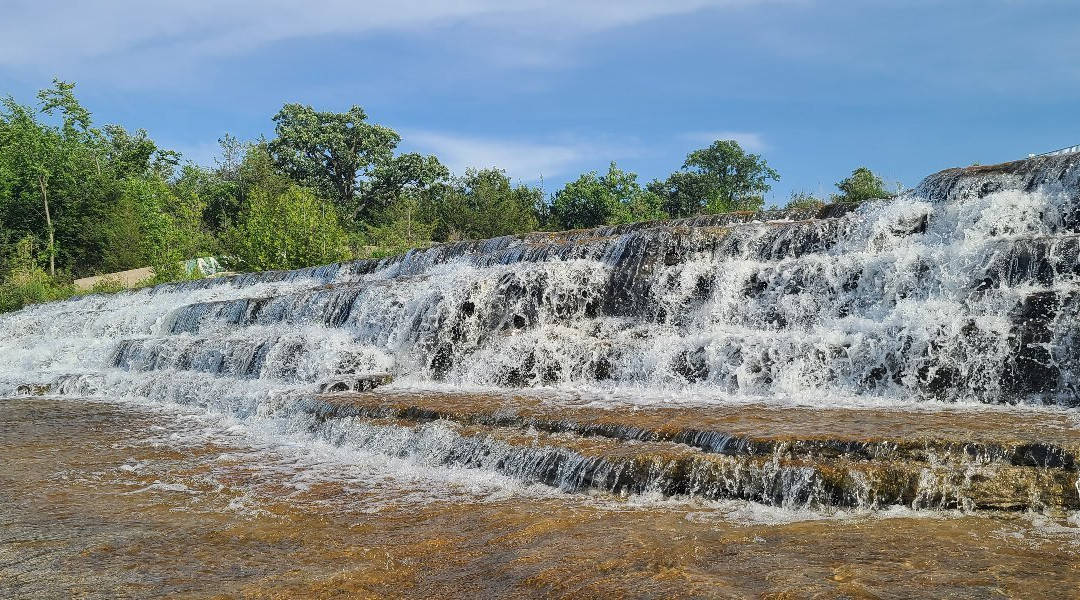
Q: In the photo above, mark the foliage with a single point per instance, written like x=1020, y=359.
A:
x=78, y=199
x=720, y=178
x=402, y=230
x=483, y=204
x=133, y=155
x=31, y=288
x=861, y=186
x=168, y=226
x=26, y=282
x=32, y=153
x=411, y=177
x=594, y=200
x=290, y=230
x=68, y=186
x=804, y=200
x=327, y=151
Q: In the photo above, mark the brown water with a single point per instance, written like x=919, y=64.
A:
x=103, y=499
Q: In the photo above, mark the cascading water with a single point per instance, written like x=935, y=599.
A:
x=961, y=291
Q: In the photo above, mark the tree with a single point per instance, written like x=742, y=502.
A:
x=163, y=241
x=31, y=152
x=128, y=155
x=422, y=178
x=68, y=184
x=224, y=188
x=403, y=228
x=153, y=223
x=682, y=194
x=290, y=230
x=483, y=204
x=593, y=200
x=328, y=151
x=720, y=178
x=51, y=170
x=25, y=282
x=861, y=186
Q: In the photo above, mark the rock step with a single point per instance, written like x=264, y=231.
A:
x=575, y=462
x=1034, y=440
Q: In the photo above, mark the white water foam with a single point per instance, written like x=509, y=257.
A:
x=962, y=293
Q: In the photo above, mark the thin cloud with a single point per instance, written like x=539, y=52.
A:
x=56, y=33
x=750, y=141
x=522, y=160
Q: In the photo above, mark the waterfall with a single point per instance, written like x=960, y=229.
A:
x=963, y=290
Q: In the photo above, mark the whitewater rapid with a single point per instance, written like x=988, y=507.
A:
x=961, y=290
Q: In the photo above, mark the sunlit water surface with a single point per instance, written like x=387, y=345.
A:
x=112, y=499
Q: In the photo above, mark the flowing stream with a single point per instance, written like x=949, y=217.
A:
x=917, y=354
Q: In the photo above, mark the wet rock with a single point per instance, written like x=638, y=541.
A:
x=442, y=360
x=364, y=383
x=691, y=365
x=33, y=389
x=1032, y=369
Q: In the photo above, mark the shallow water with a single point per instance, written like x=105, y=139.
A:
x=120, y=499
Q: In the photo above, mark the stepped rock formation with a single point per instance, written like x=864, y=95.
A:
x=959, y=294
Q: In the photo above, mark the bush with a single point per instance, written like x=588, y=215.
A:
x=37, y=287
x=402, y=231
x=861, y=186
x=27, y=283
x=803, y=200
x=107, y=285
x=288, y=231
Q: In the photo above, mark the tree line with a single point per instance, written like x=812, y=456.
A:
x=77, y=199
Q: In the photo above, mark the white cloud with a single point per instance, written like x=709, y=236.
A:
x=522, y=160
x=750, y=141
x=60, y=33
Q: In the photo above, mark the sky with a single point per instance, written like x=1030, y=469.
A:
x=549, y=90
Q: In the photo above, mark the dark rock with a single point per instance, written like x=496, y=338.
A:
x=364, y=383
x=33, y=389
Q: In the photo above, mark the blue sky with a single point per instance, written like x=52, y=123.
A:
x=553, y=89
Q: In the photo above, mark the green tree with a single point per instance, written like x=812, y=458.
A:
x=220, y=196
x=593, y=200
x=720, y=178
x=127, y=154
x=290, y=230
x=403, y=228
x=414, y=176
x=483, y=204
x=861, y=186
x=88, y=199
x=55, y=181
x=225, y=189
x=163, y=240
x=64, y=182
x=25, y=282
x=123, y=233
x=32, y=154
x=152, y=224
x=329, y=151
